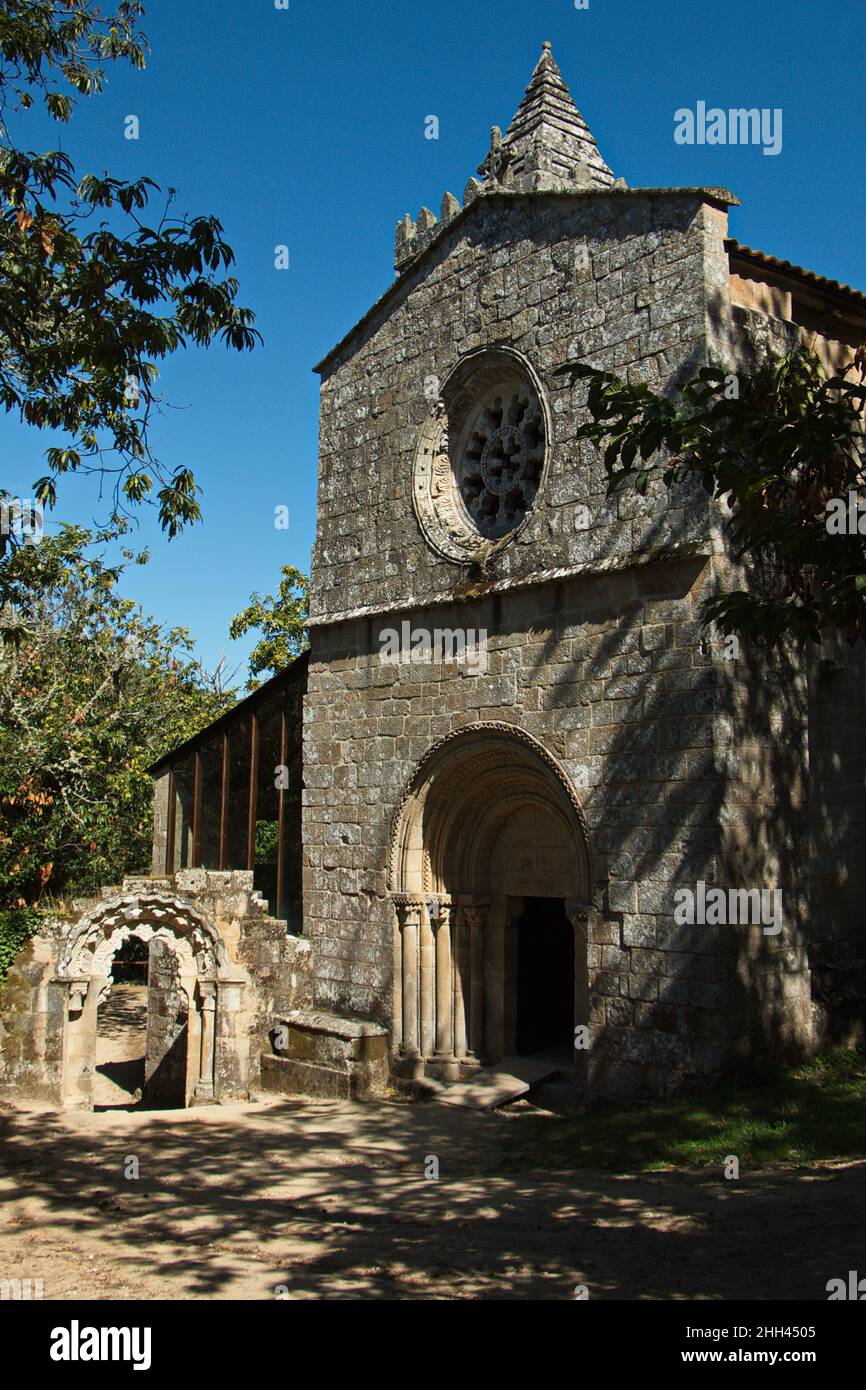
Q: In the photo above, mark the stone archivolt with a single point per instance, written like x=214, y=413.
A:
x=464, y=852
x=93, y=940
x=501, y=750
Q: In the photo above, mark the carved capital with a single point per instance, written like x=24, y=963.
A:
x=439, y=911
x=577, y=913
x=409, y=910
x=77, y=994
x=207, y=991
x=476, y=911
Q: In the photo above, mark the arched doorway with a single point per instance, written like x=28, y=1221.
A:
x=121, y=1029
x=186, y=966
x=490, y=881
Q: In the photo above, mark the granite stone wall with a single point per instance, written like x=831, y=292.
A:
x=694, y=765
x=593, y=644
x=633, y=284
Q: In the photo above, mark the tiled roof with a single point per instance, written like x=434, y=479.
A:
x=736, y=248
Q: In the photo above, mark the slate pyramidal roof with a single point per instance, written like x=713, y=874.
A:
x=548, y=142
x=548, y=148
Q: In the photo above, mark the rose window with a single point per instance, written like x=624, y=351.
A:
x=499, y=468
x=481, y=454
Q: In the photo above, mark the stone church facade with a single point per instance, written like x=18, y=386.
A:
x=511, y=744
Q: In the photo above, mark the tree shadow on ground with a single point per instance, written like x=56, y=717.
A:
x=329, y=1200
x=128, y=1075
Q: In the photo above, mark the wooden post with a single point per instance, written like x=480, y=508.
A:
x=254, y=788
x=172, y=820
x=196, y=813
x=224, y=805
x=281, y=816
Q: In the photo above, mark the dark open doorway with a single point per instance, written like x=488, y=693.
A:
x=545, y=977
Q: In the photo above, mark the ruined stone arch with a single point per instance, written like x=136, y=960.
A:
x=489, y=820
x=84, y=968
x=92, y=941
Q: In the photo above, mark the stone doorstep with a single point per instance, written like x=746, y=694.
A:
x=496, y=1085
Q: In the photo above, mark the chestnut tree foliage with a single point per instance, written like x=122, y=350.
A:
x=90, y=695
x=99, y=279
x=281, y=619
x=781, y=449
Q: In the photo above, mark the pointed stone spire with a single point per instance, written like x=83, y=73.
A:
x=548, y=145
x=547, y=148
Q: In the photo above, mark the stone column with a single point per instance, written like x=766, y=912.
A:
x=80, y=1040
x=460, y=970
x=476, y=911
x=232, y=1038
x=205, y=1087
x=409, y=921
x=397, y=985
x=445, y=993
x=577, y=913
x=427, y=960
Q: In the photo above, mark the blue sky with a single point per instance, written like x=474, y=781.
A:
x=306, y=127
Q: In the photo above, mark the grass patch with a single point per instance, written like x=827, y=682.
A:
x=805, y=1113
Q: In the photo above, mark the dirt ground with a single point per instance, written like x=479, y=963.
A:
x=121, y=1042
x=330, y=1200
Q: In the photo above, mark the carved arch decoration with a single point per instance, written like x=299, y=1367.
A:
x=92, y=942
x=460, y=795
